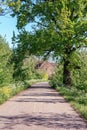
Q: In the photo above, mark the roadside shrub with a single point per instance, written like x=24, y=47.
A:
x=82, y=99
x=5, y=93
x=45, y=76
x=8, y=91
x=6, y=70
x=57, y=77
x=12, y=89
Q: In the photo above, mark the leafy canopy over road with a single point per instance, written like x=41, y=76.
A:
x=60, y=28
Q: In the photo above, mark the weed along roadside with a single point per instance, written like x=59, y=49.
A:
x=11, y=90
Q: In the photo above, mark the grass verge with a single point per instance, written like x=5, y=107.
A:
x=77, y=98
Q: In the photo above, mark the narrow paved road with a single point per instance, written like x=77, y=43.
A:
x=39, y=108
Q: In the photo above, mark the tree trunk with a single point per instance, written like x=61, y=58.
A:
x=66, y=73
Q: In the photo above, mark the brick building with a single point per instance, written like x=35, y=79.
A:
x=46, y=67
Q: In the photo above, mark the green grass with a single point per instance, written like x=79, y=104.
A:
x=77, y=98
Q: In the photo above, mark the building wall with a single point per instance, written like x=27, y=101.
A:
x=47, y=67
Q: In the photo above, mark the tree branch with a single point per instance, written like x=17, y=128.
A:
x=40, y=24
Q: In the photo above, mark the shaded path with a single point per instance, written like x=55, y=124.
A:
x=39, y=108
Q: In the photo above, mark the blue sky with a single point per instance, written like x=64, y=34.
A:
x=7, y=26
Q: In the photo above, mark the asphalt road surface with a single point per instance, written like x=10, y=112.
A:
x=39, y=108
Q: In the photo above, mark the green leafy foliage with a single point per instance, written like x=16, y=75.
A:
x=6, y=69
x=78, y=68
x=24, y=65
x=29, y=68
x=57, y=77
x=12, y=89
x=79, y=76
x=60, y=28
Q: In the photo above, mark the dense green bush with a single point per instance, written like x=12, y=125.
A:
x=57, y=77
x=79, y=76
x=6, y=70
x=24, y=67
x=78, y=72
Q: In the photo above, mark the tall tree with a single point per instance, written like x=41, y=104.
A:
x=60, y=27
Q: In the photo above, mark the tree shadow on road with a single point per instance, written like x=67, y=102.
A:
x=40, y=100
x=46, y=120
x=51, y=94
